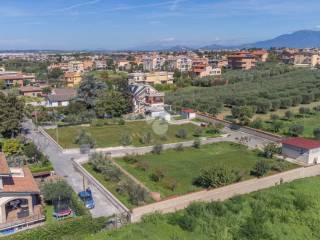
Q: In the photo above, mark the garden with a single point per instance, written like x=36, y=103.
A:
x=284, y=212
x=183, y=170
x=137, y=133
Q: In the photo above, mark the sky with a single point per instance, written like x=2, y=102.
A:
x=121, y=24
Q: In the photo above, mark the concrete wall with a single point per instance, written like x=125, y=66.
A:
x=223, y=193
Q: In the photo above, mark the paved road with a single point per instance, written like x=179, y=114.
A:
x=63, y=167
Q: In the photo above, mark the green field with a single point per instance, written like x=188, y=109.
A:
x=309, y=122
x=110, y=135
x=111, y=186
x=286, y=212
x=184, y=166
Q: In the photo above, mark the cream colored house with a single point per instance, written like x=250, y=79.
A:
x=151, y=78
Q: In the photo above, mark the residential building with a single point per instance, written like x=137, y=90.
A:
x=306, y=60
x=63, y=66
x=188, y=113
x=153, y=63
x=60, y=97
x=31, y=91
x=200, y=69
x=242, y=61
x=20, y=200
x=123, y=65
x=100, y=64
x=147, y=100
x=19, y=79
x=72, y=78
x=151, y=78
x=260, y=55
x=75, y=66
x=218, y=63
x=88, y=65
x=305, y=151
x=183, y=64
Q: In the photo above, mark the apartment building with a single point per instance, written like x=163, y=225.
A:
x=183, y=64
x=306, y=60
x=72, y=79
x=242, y=61
x=152, y=78
x=204, y=70
x=153, y=63
x=75, y=66
x=12, y=78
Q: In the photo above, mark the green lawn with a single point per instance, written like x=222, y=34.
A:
x=111, y=186
x=286, y=212
x=110, y=135
x=184, y=166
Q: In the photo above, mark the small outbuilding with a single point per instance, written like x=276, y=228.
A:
x=303, y=150
x=188, y=113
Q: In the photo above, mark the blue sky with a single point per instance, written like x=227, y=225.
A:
x=116, y=24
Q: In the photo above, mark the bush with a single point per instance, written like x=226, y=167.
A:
x=197, y=132
x=257, y=123
x=171, y=184
x=182, y=133
x=261, y=168
x=12, y=146
x=179, y=147
x=157, y=175
x=72, y=229
x=215, y=177
x=131, y=159
x=296, y=130
x=146, y=138
x=126, y=140
x=143, y=165
x=85, y=138
x=304, y=110
x=270, y=149
x=289, y=115
x=56, y=190
x=278, y=166
x=157, y=149
x=316, y=133
x=196, y=143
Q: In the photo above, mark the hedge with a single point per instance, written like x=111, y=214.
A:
x=76, y=228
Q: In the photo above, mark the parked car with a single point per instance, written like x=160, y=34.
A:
x=86, y=197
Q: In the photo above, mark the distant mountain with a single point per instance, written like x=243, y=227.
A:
x=179, y=48
x=299, y=39
x=218, y=47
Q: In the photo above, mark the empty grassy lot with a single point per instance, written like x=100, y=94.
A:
x=110, y=135
x=184, y=166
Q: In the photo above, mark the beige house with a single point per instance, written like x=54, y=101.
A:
x=20, y=201
x=306, y=60
x=153, y=63
x=73, y=78
x=151, y=78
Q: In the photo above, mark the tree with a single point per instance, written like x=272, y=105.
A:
x=55, y=74
x=11, y=114
x=270, y=149
x=277, y=125
x=182, y=133
x=289, y=115
x=197, y=143
x=316, y=133
x=126, y=140
x=12, y=146
x=304, y=110
x=157, y=149
x=215, y=177
x=89, y=90
x=243, y=114
x=263, y=106
x=197, y=132
x=112, y=103
x=85, y=138
x=296, y=130
x=261, y=168
x=157, y=175
x=56, y=190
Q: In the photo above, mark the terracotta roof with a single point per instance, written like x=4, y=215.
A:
x=301, y=143
x=4, y=168
x=188, y=110
x=20, y=184
x=30, y=89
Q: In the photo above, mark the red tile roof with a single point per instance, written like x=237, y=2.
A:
x=188, y=110
x=4, y=168
x=20, y=184
x=301, y=143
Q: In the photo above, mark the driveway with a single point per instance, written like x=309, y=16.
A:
x=64, y=168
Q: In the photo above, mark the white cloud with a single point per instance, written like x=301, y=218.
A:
x=74, y=6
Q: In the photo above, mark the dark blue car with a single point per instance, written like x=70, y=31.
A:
x=86, y=197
